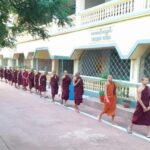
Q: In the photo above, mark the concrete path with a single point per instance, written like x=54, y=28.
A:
x=28, y=122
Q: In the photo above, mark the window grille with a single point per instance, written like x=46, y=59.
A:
x=42, y=64
x=65, y=65
x=98, y=62
x=145, y=65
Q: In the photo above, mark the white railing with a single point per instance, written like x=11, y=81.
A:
x=125, y=89
x=111, y=9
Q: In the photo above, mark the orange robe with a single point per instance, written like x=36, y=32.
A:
x=110, y=108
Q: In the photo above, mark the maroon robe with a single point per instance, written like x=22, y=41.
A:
x=25, y=78
x=19, y=77
x=140, y=117
x=5, y=73
x=78, y=91
x=65, y=87
x=42, y=83
x=12, y=73
x=9, y=74
x=31, y=80
x=15, y=76
x=1, y=73
x=36, y=80
x=54, y=85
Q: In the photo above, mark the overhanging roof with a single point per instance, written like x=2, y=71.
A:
x=79, y=51
x=42, y=53
x=17, y=55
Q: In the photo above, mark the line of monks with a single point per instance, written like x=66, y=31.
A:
x=38, y=81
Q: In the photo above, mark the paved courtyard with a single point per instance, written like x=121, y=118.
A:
x=28, y=122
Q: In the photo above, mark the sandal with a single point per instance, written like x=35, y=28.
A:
x=129, y=130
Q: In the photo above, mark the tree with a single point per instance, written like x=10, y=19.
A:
x=30, y=16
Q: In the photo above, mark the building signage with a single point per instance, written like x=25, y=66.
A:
x=101, y=34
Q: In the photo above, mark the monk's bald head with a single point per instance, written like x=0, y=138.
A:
x=65, y=72
x=109, y=77
x=77, y=74
x=145, y=80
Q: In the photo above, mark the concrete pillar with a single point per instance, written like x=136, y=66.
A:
x=32, y=63
x=135, y=70
x=10, y=63
x=76, y=66
x=134, y=76
x=55, y=65
x=17, y=63
x=80, y=5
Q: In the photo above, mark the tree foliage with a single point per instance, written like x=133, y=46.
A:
x=31, y=16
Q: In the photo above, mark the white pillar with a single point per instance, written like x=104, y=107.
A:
x=17, y=63
x=135, y=70
x=10, y=63
x=134, y=76
x=55, y=65
x=76, y=66
x=31, y=63
x=80, y=5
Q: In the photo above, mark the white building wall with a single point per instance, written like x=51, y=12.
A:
x=122, y=35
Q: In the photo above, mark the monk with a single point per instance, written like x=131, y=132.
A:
x=25, y=79
x=66, y=80
x=15, y=72
x=5, y=74
x=42, y=85
x=9, y=75
x=141, y=116
x=110, y=99
x=1, y=73
x=31, y=80
x=78, y=91
x=19, y=78
x=36, y=81
x=12, y=74
x=54, y=85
